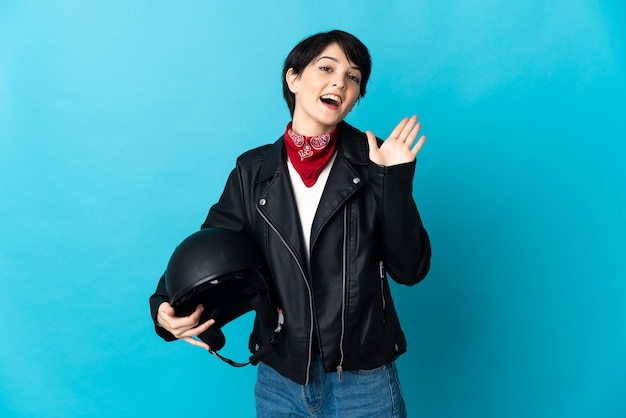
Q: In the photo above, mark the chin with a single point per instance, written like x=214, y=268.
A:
x=332, y=121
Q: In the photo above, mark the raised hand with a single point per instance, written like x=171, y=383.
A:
x=400, y=147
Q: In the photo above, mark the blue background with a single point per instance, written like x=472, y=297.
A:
x=120, y=120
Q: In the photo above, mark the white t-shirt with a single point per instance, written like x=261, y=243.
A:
x=308, y=198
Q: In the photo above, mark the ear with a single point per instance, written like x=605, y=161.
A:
x=292, y=80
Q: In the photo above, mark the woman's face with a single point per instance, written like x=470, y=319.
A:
x=325, y=92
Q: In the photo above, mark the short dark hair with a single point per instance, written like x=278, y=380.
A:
x=310, y=48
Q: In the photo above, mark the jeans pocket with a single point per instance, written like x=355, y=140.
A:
x=368, y=372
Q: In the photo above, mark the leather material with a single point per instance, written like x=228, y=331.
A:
x=366, y=223
x=366, y=228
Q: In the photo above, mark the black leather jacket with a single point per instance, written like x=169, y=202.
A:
x=366, y=225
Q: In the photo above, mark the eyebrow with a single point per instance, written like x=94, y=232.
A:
x=354, y=67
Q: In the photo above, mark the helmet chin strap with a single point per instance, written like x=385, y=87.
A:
x=227, y=360
x=264, y=351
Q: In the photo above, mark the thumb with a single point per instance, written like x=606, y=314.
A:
x=371, y=141
x=373, y=146
x=167, y=309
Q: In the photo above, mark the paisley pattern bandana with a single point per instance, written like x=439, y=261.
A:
x=310, y=154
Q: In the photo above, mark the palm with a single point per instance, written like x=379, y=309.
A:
x=400, y=147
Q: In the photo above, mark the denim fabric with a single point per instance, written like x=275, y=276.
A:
x=361, y=393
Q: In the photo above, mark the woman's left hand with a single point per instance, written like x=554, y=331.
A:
x=400, y=147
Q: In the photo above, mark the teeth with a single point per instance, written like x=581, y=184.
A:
x=332, y=97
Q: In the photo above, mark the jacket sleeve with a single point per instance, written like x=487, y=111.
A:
x=229, y=210
x=226, y=213
x=406, y=244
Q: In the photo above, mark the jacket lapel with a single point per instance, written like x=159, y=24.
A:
x=278, y=202
x=279, y=207
x=344, y=179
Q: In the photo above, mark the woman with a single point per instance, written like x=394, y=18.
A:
x=332, y=209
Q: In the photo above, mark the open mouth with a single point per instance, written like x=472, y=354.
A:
x=331, y=99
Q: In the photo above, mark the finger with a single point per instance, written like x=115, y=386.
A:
x=398, y=129
x=371, y=140
x=413, y=134
x=197, y=343
x=418, y=145
x=165, y=315
x=374, y=150
x=203, y=327
x=195, y=316
x=166, y=309
x=191, y=335
x=196, y=330
x=191, y=320
x=179, y=326
x=407, y=130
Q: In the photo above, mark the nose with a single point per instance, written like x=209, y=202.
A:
x=339, y=82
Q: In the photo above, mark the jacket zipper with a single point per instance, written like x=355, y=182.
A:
x=343, y=294
x=381, y=273
x=308, y=365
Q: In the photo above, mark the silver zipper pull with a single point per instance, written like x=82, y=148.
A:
x=340, y=372
x=381, y=269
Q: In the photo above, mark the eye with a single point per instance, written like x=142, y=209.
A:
x=354, y=78
x=325, y=69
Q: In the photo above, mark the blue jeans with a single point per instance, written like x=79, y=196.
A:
x=361, y=393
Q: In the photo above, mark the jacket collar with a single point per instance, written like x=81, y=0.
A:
x=352, y=146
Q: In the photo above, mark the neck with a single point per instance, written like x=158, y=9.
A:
x=311, y=129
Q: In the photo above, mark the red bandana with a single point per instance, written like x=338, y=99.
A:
x=310, y=154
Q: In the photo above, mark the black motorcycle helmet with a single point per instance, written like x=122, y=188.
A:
x=224, y=271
